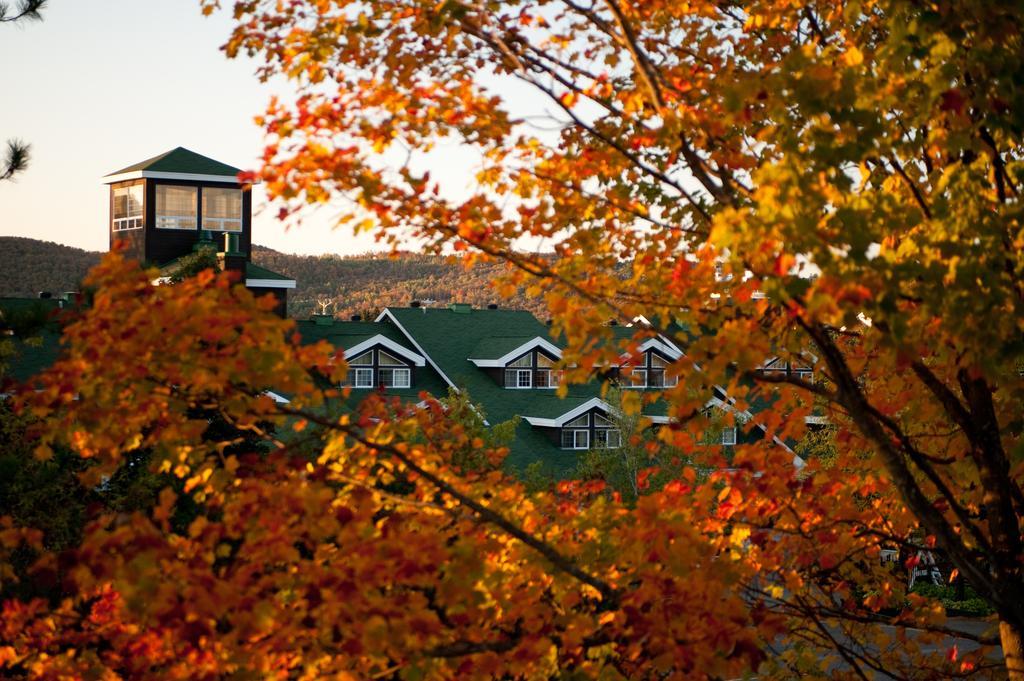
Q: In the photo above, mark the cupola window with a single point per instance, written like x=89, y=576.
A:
x=128, y=208
x=222, y=209
x=176, y=207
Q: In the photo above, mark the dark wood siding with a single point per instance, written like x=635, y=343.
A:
x=164, y=245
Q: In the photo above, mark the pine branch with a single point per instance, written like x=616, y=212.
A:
x=29, y=10
x=17, y=157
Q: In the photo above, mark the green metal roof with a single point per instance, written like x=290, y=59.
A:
x=494, y=348
x=30, y=355
x=256, y=272
x=181, y=160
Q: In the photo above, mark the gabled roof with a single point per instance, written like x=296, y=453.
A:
x=391, y=345
x=499, y=351
x=178, y=164
x=571, y=413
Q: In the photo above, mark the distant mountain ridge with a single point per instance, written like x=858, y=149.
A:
x=359, y=284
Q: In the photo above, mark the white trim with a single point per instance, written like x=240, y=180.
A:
x=639, y=319
x=391, y=345
x=270, y=283
x=394, y=320
x=559, y=421
x=158, y=175
x=277, y=398
x=529, y=345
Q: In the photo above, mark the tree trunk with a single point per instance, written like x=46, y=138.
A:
x=1013, y=650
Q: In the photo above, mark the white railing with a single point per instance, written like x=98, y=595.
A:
x=124, y=224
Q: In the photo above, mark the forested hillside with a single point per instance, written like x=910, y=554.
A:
x=361, y=284
x=28, y=266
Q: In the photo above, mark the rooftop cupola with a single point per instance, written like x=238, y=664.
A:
x=162, y=206
x=181, y=202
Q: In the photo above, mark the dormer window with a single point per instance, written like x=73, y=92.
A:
x=360, y=373
x=780, y=367
x=128, y=208
x=393, y=372
x=222, y=209
x=591, y=430
x=386, y=372
x=176, y=207
x=532, y=370
x=576, y=433
x=651, y=373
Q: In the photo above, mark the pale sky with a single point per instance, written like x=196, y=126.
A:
x=101, y=84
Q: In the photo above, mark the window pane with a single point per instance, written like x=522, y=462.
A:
x=544, y=378
x=582, y=439
x=394, y=378
x=658, y=361
x=363, y=378
x=365, y=358
x=581, y=422
x=135, y=201
x=544, y=361
x=510, y=378
x=607, y=438
x=222, y=209
x=524, y=379
x=175, y=207
x=729, y=436
x=601, y=422
x=384, y=359
x=120, y=203
x=524, y=361
x=568, y=440
x=128, y=208
x=638, y=377
x=657, y=378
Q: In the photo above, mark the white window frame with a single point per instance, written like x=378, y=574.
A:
x=632, y=381
x=729, y=436
x=608, y=433
x=518, y=375
x=362, y=377
x=130, y=221
x=396, y=372
x=576, y=433
x=223, y=224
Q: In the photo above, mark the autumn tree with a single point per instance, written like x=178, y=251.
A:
x=828, y=182
x=708, y=157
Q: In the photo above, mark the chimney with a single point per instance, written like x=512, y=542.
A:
x=232, y=258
